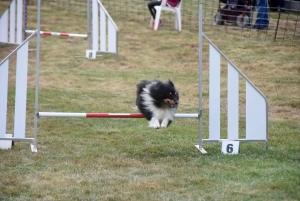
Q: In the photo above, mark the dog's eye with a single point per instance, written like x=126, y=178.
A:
x=170, y=93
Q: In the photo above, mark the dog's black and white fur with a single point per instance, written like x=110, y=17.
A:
x=157, y=101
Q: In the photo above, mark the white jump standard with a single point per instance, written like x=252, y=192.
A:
x=256, y=104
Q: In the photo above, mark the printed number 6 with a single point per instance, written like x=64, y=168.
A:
x=229, y=148
x=90, y=55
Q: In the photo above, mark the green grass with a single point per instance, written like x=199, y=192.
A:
x=123, y=159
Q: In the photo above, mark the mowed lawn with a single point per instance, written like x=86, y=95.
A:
x=123, y=159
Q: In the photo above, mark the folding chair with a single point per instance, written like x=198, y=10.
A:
x=166, y=7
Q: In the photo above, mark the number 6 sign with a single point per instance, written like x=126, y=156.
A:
x=230, y=147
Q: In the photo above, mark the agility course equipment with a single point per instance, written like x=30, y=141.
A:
x=20, y=95
x=59, y=34
x=256, y=103
x=100, y=40
x=107, y=115
x=108, y=37
x=20, y=91
x=22, y=65
x=11, y=23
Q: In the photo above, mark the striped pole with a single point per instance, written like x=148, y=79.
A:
x=59, y=34
x=106, y=115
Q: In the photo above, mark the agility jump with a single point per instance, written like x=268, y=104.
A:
x=99, y=40
x=256, y=103
x=8, y=35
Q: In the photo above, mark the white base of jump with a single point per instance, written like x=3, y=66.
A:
x=33, y=148
x=201, y=150
x=6, y=144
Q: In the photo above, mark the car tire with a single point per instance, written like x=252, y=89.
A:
x=244, y=22
x=217, y=19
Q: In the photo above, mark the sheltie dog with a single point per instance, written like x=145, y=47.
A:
x=157, y=101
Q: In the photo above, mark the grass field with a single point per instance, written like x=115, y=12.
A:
x=123, y=159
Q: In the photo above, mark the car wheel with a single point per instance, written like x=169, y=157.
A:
x=242, y=21
x=217, y=19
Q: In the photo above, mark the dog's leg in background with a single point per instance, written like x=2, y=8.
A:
x=154, y=123
x=165, y=123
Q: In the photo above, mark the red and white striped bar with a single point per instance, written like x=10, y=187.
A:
x=59, y=34
x=106, y=115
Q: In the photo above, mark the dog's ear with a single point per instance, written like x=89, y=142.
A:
x=170, y=83
x=158, y=85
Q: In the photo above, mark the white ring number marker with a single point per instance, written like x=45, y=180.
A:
x=90, y=54
x=230, y=147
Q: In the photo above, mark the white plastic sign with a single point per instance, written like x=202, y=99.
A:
x=90, y=54
x=230, y=147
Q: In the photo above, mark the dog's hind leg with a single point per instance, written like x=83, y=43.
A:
x=154, y=123
x=165, y=123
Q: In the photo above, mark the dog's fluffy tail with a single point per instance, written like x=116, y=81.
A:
x=141, y=85
x=140, y=88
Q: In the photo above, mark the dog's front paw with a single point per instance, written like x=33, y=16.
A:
x=154, y=123
x=164, y=123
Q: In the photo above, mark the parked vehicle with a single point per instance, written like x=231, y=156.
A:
x=238, y=12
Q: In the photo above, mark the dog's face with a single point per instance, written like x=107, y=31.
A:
x=170, y=94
